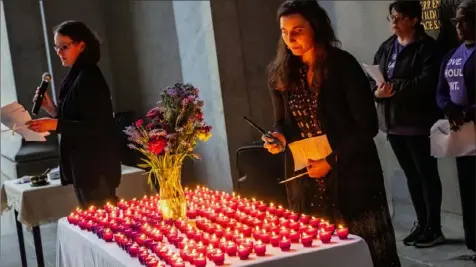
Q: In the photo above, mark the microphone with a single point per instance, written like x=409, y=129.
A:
x=45, y=80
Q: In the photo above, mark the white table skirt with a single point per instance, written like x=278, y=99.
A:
x=78, y=248
x=45, y=204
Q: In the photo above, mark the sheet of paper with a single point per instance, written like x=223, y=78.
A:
x=14, y=116
x=447, y=143
x=375, y=73
x=314, y=148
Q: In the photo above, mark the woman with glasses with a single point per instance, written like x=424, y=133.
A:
x=84, y=118
x=409, y=61
x=456, y=97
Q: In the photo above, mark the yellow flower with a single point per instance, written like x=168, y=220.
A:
x=204, y=136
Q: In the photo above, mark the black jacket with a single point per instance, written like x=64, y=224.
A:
x=88, y=146
x=348, y=117
x=415, y=78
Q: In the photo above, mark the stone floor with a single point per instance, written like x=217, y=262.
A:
x=441, y=256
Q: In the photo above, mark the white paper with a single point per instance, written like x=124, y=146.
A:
x=314, y=148
x=14, y=116
x=375, y=73
x=447, y=143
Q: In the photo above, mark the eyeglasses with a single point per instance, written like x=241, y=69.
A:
x=455, y=21
x=395, y=18
x=63, y=47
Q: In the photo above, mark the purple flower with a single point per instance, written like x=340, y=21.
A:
x=172, y=91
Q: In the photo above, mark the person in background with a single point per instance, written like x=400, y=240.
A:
x=456, y=97
x=84, y=118
x=406, y=106
x=320, y=92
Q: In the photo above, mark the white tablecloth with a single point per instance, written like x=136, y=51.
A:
x=45, y=204
x=78, y=248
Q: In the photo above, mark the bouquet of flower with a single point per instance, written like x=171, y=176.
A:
x=166, y=136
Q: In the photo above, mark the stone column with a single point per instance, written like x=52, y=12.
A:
x=225, y=46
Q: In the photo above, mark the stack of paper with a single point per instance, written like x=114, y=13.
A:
x=14, y=116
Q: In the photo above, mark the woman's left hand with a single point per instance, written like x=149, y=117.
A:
x=318, y=168
x=42, y=125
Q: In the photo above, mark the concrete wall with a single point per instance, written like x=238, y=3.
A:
x=143, y=51
x=362, y=27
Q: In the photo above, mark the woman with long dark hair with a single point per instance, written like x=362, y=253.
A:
x=456, y=96
x=321, y=98
x=84, y=118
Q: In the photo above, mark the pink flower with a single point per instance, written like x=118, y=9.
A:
x=139, y=123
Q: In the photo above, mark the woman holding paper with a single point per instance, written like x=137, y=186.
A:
x=456, y=97
x=326, y=120
x=406, y=106
x=84, y=118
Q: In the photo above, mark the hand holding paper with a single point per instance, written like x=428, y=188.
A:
x=14, y=116
x=375, y=73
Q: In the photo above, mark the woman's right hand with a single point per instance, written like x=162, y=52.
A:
x=272, y=147
x=384, y=90
x=47, y=104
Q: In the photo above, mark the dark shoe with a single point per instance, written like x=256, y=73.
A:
x=415, y=233
x=430, y=238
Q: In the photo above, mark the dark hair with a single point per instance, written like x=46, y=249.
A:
x=284, y=70
x=78, y=32
x=468, y=8
x=411, y=9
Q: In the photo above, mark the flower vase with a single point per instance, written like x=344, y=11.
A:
x=172, y=201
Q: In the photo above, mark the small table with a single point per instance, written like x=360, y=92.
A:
x=78, y=248
x=34, y=206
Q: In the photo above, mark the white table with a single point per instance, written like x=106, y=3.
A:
x=78, y=248
x=34, y=206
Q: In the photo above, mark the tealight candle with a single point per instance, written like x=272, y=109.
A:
x=152, y=263
x=218, y=257
x=200, y=261
x=294, y=236
x=285, y=244
x=305, y=219
x=325, y=236
x=330, y=228
x=306, y=240
x=275, y=240
x=107, y=235
x=311, y=231
x=231, y=249
x=133, y=250
x=284, y=232
x=243, y=252
x=260, y=248
x=342, y=232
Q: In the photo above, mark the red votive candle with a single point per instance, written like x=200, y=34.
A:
x=260, y=248
x=285, y=244
x=342, y=232
x=306, y=240
x=325, y=236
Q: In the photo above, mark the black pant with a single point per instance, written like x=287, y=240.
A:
x=466, y=167
x=96, y=196
x=421, y=170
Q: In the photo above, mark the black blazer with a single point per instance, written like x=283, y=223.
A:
x=88, y=146
x=347, y=113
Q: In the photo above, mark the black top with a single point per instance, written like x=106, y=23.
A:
x=415, y=78
x=88, y=146
x=348, y=117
